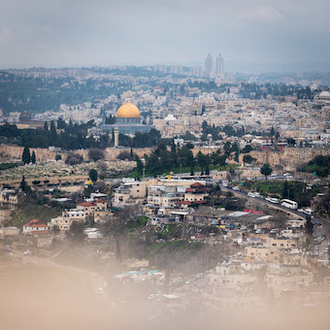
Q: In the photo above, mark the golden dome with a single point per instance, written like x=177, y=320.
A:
x=128, y=110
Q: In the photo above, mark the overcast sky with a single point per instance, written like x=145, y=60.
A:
x=57, y=33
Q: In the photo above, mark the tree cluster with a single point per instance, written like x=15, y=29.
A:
x=164, y=160
x=70, y=139
x=320, y=165
x=141, y=140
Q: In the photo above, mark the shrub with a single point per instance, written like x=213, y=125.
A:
x=74, y=159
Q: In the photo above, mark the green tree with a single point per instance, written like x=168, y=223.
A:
x=227, y=147
x=76, y=232
x=248, y=159
x=266, y=170
x=46, y=126
x=33, y=157
x=93, y=175
x=207, y=170
x=58, y=157
x=26, y=157
x=23, y=185
x=153, y=164
x=201, y=160
x=246, y=149
x=285, y=189
x=60, y=123
x=53, y=131
x=139, y=164
x=192, y=170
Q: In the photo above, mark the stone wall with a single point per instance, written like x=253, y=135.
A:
x=288, y=160
x=205, y=151
x=42, y=154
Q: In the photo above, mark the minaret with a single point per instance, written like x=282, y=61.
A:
x=116, y=131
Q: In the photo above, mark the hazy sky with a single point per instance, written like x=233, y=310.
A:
x=107, y=32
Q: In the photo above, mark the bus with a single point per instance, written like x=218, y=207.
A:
x=289, y=204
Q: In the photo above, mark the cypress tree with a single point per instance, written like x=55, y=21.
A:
x=33, y=158
x=23, y=185
x=53, y=131
x=26, y=157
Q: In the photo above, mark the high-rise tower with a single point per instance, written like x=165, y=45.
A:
x=208, y=65
x=219, y=67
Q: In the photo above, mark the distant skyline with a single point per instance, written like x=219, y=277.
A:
x=253, y=35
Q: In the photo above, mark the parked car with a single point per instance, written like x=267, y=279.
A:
x=320, y=238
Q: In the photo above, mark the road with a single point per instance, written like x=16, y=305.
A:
x=324, y=229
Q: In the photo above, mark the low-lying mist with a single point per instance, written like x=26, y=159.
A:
x=35, y=296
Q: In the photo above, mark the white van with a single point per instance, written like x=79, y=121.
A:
x=308, y=211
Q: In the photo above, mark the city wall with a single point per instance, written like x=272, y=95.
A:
x=290, y=159
x=42, y=154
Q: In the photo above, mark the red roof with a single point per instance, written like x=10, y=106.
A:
x=87, y=204
x=184, y=202
x=197, y=190
x=35, y=223
x=196, y=185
